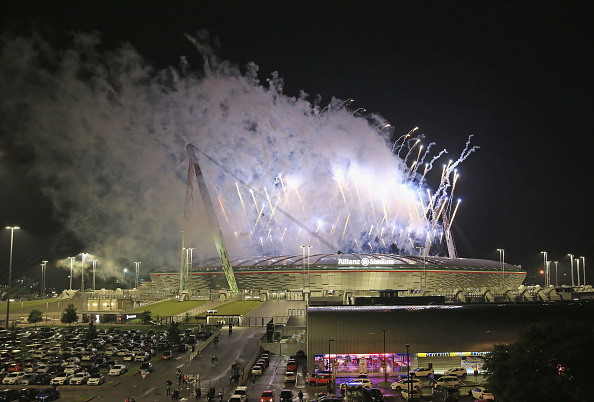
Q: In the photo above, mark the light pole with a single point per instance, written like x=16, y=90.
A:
x=385, y=364
x=422, y=253
x=71, y=259
x=584, y=268
x=330, y=362
x=12, y=229
x=502, y=261
x=407, y=370
x=571, y=262
x=556, y=277
x=544, y=253
x=94, y=268
x=124, y=275
x=82, y=272
x=43, y=263
x=137, y=264
x=577, y=270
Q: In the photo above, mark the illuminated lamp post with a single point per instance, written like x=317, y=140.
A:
x=544, y=253
x=43, y=264
x=94, y=269
x=584, y=268
x=71, y=259
x=12, y=229
x=330, y=362
x=577, y=269
x=385, y=363
x=556, y=277
x=571, y=262
x=408, y=385
x=502, y=260
x=82, y=272
x=137, y=265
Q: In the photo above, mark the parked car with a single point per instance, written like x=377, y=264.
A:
x=267, y=396
x=319, y=379
x=167, y=355
x=44, y=379
x=79, y=378
x=364, y=382
x=236, y=398
x=27, y=379
x=12, y=377
x=421, y=372
x=146, y=366
x=414, y=395
x=376, y=395
x=447, y=394
x=290, y=377
x=286, y=395
x=118, y=369
x=448, y=381
x=457, y=371
x=142, y=356
x=61, y=378
x=48, y=394
x=481, y=393
x=403, y=384
x=257, y=369
x=96, y=379
x=72, y=368
x=292, y=365
x=28, y=394
x=7, y=395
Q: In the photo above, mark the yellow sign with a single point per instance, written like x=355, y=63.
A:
x=452, y=354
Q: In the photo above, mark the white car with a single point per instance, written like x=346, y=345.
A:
x=257, y=370
x=242, y=391
x=290, y=377
x=27, y=379
x=415, y=394
x=79, y=378
x=118, y=369
x=364, y=382
x=43, y=368
x=129, y=357
x=13, y=377
x=96, y=379
x=403, y=384
x=448, y=381
x=457, y=371
x=141, y=356
x=61, y=378
x=420, y=372
x=71, y=368
x=481, y=393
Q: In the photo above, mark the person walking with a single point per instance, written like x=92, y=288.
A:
x=168, y=384
x=300, y=395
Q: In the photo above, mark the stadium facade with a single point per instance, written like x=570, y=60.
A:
x=347, y=272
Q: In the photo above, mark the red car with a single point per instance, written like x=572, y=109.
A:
x=267, y=396
x=291, y=365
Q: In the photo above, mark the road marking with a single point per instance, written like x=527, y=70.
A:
x=150, y=390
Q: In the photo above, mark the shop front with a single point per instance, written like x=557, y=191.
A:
x=363, y=363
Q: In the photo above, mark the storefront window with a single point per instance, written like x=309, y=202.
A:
x=370, y=363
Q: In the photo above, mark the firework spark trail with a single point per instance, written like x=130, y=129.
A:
x=242, y=204
x=411, y=149
x=346, y=206
x=223, y=209
x=403, y=138
x=283, y=236
x=255, y=202
x=259, y=216
x=454, y=214
x=335, y=225
x=359, y=198
x=345, y=228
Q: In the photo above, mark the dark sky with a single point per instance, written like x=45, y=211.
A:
x=516, y=75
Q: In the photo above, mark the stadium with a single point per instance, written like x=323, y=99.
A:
x=347, y=272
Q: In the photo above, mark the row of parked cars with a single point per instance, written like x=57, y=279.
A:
x=29, y=394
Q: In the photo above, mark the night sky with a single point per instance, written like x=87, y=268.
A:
x=516, y=76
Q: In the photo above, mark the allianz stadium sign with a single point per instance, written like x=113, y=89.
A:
x=365, y=261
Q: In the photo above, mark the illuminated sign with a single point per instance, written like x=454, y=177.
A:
x=130, y=316
x=452, y=354
x=365, y=261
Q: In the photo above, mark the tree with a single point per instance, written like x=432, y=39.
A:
x=69, y=315
x=35, y=316
x=548, y=362
x=187, y=318
x=92, y=333
x=146, y=316
x=173, y=333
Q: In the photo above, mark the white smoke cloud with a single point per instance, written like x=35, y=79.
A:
x=98, y=122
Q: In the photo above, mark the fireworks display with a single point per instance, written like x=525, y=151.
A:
x=100, y=122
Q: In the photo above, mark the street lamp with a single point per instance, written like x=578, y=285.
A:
x=137, y=264
x=577, y=269
x=584, y=268
x=43, y=263
x=124, y=276
x=502, y=260
x=12, y=229
x=571, y=261
x=71, y=259
x=556, y=278
x=82, y=272
x=94, y=268
x=544, y=253
x=308, y=248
